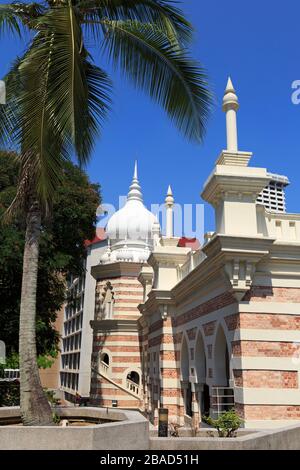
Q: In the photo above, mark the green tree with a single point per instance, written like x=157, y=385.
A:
x=57, y=99
x=62, y=251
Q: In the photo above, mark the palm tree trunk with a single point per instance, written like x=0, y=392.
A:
x=35, y=409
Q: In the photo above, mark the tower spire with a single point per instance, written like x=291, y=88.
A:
x=230, y=107
x=169, y=201
x=135, y=192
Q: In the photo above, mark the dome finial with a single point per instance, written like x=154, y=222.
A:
x=135, y=192
x=229, y=86
x=135, y=173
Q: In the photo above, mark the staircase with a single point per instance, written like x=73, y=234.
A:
x=131, y=387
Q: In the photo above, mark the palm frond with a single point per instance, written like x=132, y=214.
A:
x=15, y=16
x=95, y=110
x=10, y=112
x=163, y=13
x=163, y=70
x=78, y=93
x=32, y=127
x=9, y=21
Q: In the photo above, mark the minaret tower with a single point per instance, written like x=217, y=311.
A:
x=233, y=187
x=230, y=107
x=169, y=201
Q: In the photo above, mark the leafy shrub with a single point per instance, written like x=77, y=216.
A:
x=56, y=418
x=51, y=398
x=227, y=424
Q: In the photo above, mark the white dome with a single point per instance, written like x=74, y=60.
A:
x=131, y=229
x=132, y=222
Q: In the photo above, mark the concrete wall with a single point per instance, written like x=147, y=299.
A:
x=129, y=431
x=282, y=439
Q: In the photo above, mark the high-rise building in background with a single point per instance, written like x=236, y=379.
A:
x=273, y=195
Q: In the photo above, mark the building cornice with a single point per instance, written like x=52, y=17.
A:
x=118, y=269
x=172, y=256
x=156, y=301
x=233, y=259
x=226, y=181
x=114, y=325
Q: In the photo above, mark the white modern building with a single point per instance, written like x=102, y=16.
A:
x=77, y=338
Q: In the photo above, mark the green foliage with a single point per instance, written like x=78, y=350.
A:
x=12, y=361
x=61, y=250
x=227, y=423
x=51, y=398
x=45, y=362
x=56, y=418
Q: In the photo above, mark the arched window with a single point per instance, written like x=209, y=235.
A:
x=221, y=360
x=134, y=377
x=105, y=358
x=185, y=366
x=185, y=378
x=133, y=382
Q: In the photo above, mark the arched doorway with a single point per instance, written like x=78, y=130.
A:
x=222, y=392
x=221, y=360
x=200, y=363
x=185, y=378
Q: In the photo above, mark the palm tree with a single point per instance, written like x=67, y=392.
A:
x=57, y=100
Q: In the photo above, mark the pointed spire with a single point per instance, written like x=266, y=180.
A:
x=230, y=100
x=230, y=107
x=169, y=198
x=135, y=192
x=135, y=173
x=229, y=86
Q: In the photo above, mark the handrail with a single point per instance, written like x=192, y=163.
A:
x=116, y=384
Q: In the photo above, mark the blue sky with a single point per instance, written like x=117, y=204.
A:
x=257, y=44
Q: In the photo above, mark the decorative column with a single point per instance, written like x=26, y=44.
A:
x=168, y=365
